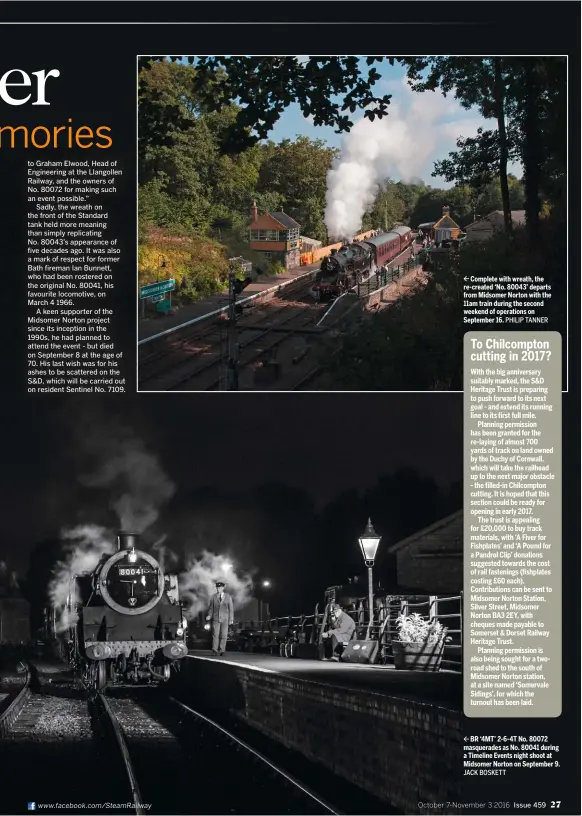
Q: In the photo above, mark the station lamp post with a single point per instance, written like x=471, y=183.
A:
x=262, y=596
x=369, y=541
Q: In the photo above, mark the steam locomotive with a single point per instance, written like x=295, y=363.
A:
x=125, y=621
x=347, y=266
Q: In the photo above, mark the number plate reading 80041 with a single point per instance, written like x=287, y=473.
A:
x=136, y=570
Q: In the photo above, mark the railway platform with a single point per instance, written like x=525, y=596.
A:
x=396, y=735
x=443, y=688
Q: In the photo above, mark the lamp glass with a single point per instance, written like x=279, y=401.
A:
x=369, y=541
x=369, y=547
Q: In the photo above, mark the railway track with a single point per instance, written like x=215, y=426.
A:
x=12, y=703
x=55, y=751
x=137, y=753
x=206, y=768
x=196, y=362
x=273, y=341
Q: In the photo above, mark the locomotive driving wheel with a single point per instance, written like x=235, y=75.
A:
x=98, y=674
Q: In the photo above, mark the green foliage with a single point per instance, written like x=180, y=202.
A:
x=527, y=96
x=295, y=172
x=198, y=265
x=193, y=185
x=324, y=87
x=191, y=189
x=389, y=208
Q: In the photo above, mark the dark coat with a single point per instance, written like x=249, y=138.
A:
x=343, y=628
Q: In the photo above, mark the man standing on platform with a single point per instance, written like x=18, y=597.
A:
x=221, y=616
x=339, y=633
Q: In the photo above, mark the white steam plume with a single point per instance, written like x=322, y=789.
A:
x=166, y=557
x=85, y=548
x=197, y=583
x=397, y=146
x=138, y=483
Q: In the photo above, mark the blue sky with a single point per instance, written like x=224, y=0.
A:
x=420, y=128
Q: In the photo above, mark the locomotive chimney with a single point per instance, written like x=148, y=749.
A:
x=254, y=212
x=127, y=541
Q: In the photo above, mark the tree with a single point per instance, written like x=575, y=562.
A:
x=499, y=103
x=296, y=171
x=528, y=98
x=540, y=105
x=326, y=88
x=475, y=81
x=388, y=209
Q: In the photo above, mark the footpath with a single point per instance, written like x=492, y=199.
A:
x=150, y=327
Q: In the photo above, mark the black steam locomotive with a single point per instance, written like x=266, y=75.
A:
x=347, y=266
x=125, y=621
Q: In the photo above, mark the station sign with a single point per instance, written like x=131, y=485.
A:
x=153, y=289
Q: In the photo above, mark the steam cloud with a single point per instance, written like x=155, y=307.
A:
x=397, y=146
x=197, y=582
x=137, y=481
x=86, y=546
x=166, y=557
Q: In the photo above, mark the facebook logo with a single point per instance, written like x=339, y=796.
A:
x=32, y=805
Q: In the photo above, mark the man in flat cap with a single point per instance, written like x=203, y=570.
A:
x=221, y=616
x=339, y=633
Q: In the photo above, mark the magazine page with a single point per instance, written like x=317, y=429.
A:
x=291, y=464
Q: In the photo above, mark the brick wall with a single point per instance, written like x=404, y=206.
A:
x=401, y=751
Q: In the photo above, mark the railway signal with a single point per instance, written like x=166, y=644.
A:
x=235, y=287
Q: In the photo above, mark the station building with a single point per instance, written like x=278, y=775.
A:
x=445, y=229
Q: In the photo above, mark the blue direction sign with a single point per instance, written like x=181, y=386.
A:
x=153, y=289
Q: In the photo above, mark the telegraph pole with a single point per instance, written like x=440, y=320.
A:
x=232, y=365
